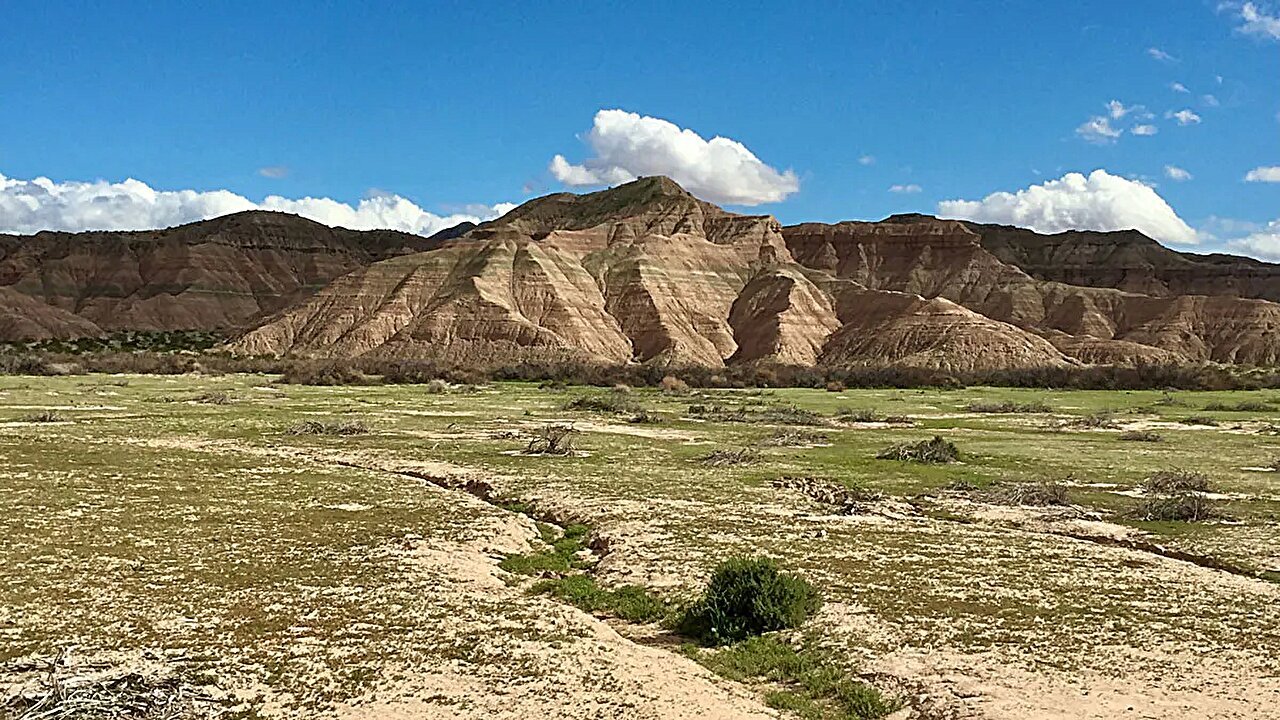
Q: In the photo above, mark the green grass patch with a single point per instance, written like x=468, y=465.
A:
x=629, y=602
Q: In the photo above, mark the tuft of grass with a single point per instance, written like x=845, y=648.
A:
x=722, y=458
x=44, y=416
x=1176, y=480
x=328, y=427
x=810, y=683
x=1141, y=436
x=560, y=556
x=933, y=452
x=747, y=597
x=553, y=440
x=629, y=602
x=1008, y=407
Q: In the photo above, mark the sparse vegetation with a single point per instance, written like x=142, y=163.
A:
x=1177, y=507
x=553, y=440
x=1094, y=421
x=1141, y=436
x=1008, y=407
x=1241, y=406
x=44, y=416
x=328, y=427
x=796, y=437
x=560, y=554
x=1204, y=420
x=629, y=602
x=722, y=458
x=747, y=597
x=673, y=385
x=857, y=415
x=811, y=683
x=616, y=403
x=934, y=451
x=437, y=387
x=835, y=386
x=215, y=397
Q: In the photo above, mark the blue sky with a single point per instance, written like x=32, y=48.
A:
x=453, y=105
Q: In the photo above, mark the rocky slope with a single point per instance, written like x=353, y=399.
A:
x=641, y=272
x=942, y=258
x=216, y=274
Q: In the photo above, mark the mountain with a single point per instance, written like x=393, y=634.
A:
x=644, y=272
x=216, y=274
x=944, y=258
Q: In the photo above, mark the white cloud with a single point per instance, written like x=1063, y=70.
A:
x=1177, y=174
x=1210, y=100
x=1118, y=109
x=274, y=171
x=1099, y=131
x=1263, y=174
x=1158, y=54
x=867, y=160
x=1255, y=21
x=1146, y=130
x=29, y=206
x=1100, y=201
x=1178, y=87
x=1184, y=117
x=627, y=145
x=906, y=189
x=1263, y=244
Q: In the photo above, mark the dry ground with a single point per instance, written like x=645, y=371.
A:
x=357, y=576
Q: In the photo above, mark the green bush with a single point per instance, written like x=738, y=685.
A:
x=747, y=597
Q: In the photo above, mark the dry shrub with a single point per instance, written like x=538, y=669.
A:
x=1008, y=407
x=835, y=386
x=1179, y=507
x=1094, y=421
x=213, y=397
x=857, y=415
x=1041, y=493
x=622, y=388
x=796, y=438
x=741, y=456
x=44, y=416
x=437, y=387
x=331, y=427
x=1141, y=436
x=553, y=440
x=1199, y=420
x=611, y=403
x=644, y=417
x=332, y=372
x=1242, y=406
x=932, y=452
x=673, y=385
x=1176, y=480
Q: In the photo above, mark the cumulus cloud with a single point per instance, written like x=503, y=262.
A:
x=29, y=206
x=1265, y=174
x=1099, y=131
x=1255, y=21
x=1184, y=117
x=1177, y=174
x=1264, y=243
x=627, y=145
x=1178, y=87
x=1145, y=130
x=906, y=189
x=1117, y=109
x=1211, y=100
x=1158, y=54
x=1099, y=201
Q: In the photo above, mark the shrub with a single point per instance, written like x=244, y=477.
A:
x=1176, y=481
x=1008, y=406
x=552, y=440
x=1179, y=507
x=644, y=417
x=747, y=597
x=1094, y=421
x=333, y=372
x=935, y=451
x=437, y=387
x=1242, y=406
x=795, y=438
x=615, y=403
x=741, y=456
x=857, y=415
x=1199, y=420
x=214, y=397
x=331, y=427
x=44, y=416
x=1141, y=436
x=1042, y=493
x=673, y=385
x=835, y=386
